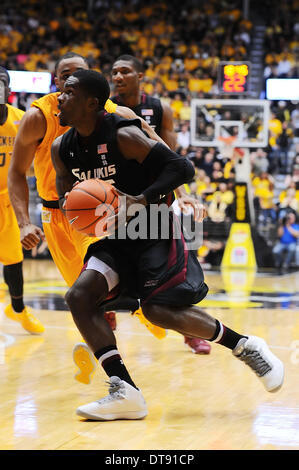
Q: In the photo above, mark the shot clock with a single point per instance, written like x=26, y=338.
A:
x=233, y=78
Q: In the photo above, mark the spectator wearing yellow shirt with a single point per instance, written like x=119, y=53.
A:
x=212, y=61
x=290, y=184
x=176, y=105
x=150, y=72
x=143, y=41
x=263, y=196
x=171, y=83
x=275, y=130
x=288, y=202
x=164, y=65
x=195, y=83
x=147, y=86
x=227, y=50
x=217, y=208
x=267, y=207
x=54, y=24
x=203, y=184
x=206, y=83
x=275, y=125
x=270, y=58
x=263, y=181
x=185, y=111
x=190, y=62
x=130, y=15
x=225, y=194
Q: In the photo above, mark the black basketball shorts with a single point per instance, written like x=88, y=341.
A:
x=159, y=271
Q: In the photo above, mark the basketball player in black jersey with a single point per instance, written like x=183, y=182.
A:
x=127, y=75
x=167, y=278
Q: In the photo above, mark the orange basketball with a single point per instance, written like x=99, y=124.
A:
x=89, y=204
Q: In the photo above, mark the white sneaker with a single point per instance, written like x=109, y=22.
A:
x=123, y=402
x=255, y=353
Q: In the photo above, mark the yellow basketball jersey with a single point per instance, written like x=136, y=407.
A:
x=8, y=132
x=43, y=167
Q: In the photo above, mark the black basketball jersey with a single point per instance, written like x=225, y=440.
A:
x=98, y=156
x=149, y=109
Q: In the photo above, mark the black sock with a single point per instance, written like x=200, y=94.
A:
x=13, y=277
x=225, y=336
x=17, y=305
x=112, y=364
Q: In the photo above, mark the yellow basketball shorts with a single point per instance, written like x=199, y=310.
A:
x=11, y=251
x=67, y=246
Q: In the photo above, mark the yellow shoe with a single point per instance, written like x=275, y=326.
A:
x=84, y=359
x=26, y=318
x=158, y=332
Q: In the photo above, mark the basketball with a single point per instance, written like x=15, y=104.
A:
x=88, y=206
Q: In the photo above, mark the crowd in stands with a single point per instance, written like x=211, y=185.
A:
x=181, y=51
x=180, y=46
x=282, y=39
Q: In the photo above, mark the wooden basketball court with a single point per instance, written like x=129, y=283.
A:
x=195, y=402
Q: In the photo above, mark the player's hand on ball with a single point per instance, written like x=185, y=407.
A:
x=127, y=207
x=66, y=195
x=64, y=199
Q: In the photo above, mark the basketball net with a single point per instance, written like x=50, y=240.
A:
x=226, y=146
x=228, y=150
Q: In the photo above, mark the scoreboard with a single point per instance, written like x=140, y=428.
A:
x=233, y=78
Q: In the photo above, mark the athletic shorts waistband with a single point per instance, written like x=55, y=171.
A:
x=51, y=204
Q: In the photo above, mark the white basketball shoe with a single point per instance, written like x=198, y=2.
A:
x=123, y=402
x=256, y=354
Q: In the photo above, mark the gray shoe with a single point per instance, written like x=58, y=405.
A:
x=255, y=353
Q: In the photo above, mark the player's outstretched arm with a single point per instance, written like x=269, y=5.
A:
x=31, y=132
x=64, y=181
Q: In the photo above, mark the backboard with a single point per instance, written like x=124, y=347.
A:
x=247, y=120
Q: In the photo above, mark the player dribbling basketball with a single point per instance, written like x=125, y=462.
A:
x=168, y=279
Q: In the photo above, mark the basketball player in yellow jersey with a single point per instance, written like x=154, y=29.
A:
x=11, y=253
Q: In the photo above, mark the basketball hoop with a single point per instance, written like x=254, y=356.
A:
x=238, y=155
x=239, y=152
x=226, y=146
